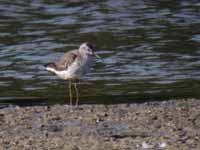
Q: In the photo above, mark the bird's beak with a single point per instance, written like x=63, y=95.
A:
x=97, y=56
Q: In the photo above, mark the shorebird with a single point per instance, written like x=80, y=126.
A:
x=73, y=65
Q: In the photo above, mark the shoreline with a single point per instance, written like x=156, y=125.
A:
x=171, y=124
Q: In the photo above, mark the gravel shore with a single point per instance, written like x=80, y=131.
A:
x=169, y=125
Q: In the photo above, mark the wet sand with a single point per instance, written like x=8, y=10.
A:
x=169, y=125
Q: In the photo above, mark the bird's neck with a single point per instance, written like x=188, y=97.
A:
x=83, y=55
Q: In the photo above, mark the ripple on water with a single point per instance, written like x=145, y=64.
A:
x=147, y=47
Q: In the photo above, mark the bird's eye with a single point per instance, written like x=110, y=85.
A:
x=90, y=46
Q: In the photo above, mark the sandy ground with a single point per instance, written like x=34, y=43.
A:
x=169, y=125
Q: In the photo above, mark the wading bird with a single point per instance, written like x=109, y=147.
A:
x=73, y=65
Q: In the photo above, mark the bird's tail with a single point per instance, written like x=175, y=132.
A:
x=50, y=67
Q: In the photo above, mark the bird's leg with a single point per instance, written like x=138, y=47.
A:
x=70, y=92
x=77, y=94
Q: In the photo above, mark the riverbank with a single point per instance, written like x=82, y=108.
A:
x=173, y=124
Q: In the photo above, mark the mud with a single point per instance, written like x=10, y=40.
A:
x=168, y=125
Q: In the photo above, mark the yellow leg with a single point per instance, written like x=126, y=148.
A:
x=70, y=92
x=77, y=94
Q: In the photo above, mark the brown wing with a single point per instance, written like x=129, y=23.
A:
x=66, y=60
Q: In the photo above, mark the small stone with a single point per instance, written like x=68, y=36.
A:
x=146, y=145
x=190, y=141
x=162, y=145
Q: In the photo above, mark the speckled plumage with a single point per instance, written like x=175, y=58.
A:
x=72, y=65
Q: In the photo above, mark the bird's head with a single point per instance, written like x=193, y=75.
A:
x=88, y=49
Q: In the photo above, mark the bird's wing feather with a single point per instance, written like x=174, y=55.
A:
x=66, y=60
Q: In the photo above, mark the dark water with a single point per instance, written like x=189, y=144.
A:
x=151, y=49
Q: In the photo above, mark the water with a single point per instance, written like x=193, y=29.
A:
x=151, y=49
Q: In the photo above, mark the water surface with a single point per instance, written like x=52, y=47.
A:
x=151, y=49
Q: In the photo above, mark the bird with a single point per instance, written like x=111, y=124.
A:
x=73, y=65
